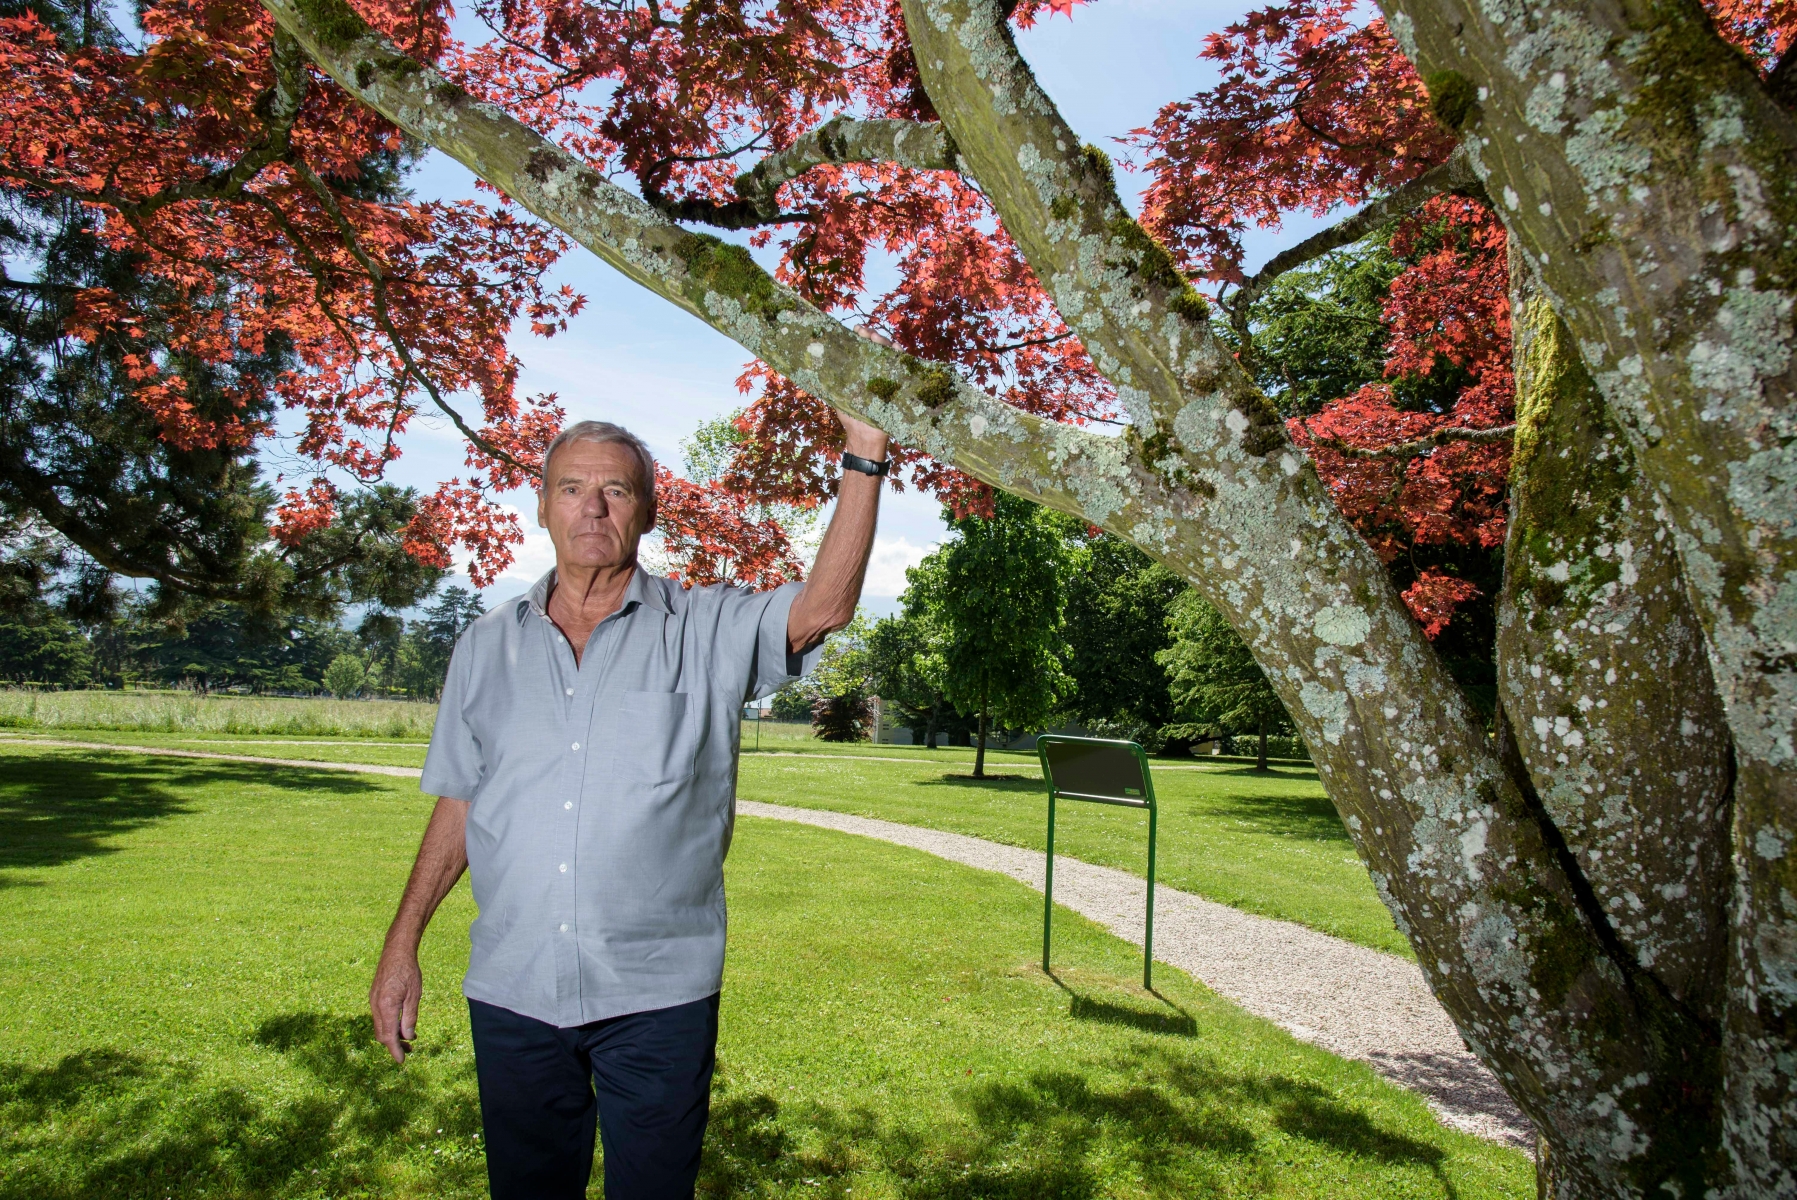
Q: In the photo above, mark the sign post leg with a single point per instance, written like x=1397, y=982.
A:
x=1048, y=884
x=1148, y=929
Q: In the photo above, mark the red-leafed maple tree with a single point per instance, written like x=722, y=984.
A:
x=1627, y=980
x=246, y=188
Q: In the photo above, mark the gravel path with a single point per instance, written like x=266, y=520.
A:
x=1350, y=1000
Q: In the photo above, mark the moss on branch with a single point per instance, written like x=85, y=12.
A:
x=714, y=265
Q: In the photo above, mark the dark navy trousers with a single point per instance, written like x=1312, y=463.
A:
x=644, y=1079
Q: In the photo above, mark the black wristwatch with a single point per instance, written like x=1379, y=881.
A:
x=867, y=466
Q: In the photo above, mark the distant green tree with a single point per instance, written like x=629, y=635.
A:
x=1118, y=600
x=905, y=668
x=378, y=638
x=38, y=642
x=44, y=647
x=224, y=645
x=345, y=676
x=794, y=701
x=1217, y=688
x=841, y=710
x=421, y=660
x=842, y=668
x=997, y=598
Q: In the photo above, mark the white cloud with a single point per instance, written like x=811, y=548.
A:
x=886, y=567
x=530, y=559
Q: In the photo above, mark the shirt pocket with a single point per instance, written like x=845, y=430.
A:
x=657, y=737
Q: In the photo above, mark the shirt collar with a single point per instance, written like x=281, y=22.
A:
x=643, y=588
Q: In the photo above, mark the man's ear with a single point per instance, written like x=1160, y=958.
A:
x=542, y=509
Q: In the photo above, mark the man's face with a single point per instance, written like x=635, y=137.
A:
x=596, y=505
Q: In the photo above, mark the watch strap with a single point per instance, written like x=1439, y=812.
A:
x=867, y=466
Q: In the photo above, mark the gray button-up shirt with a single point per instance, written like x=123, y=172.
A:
x=602, y=796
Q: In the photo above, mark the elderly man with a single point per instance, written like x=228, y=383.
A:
x=585, y=762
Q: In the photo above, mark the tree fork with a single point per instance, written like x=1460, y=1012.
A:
x=1650, y=178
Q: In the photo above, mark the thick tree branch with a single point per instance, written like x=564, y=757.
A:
x=921, y=403
x=1274, y=555
x=1619, y=626
x=1404, y=451
x=917, y=145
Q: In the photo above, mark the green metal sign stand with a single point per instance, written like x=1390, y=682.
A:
x=1102, y=771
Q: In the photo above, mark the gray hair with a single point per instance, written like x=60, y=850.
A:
x=602, y=432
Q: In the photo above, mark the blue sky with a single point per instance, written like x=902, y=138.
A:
x=632, y=358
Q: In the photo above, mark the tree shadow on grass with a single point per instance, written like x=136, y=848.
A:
x=1312, y=818
x=1020, y=784
x=1172, y=1121
x=106, y=1124
x=59, y=807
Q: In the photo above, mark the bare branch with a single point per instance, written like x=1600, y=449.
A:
x=1454, y=175
x=383, y=317
x=1026, y=343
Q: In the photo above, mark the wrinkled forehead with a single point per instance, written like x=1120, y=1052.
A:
x=586, y=461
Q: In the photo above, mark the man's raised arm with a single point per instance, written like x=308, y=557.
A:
x=398, y=983
x=830, y=595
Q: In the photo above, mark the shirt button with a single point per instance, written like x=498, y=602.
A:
x=567, y=804
x=564, y=868
x=564, y=928
x=570, y=692
x=577, y=745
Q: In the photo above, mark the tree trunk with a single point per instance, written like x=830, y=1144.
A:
x=930, y=729
x=1260, y=757
x=979, y=758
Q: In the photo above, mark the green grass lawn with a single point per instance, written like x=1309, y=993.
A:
x=1267, y=843
x=184, y=949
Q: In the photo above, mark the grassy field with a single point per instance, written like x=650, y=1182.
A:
x=189, y=713
x=1268, y=843
x=184, y=947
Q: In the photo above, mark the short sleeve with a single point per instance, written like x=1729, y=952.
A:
x=453, y=765
x=756, y=621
